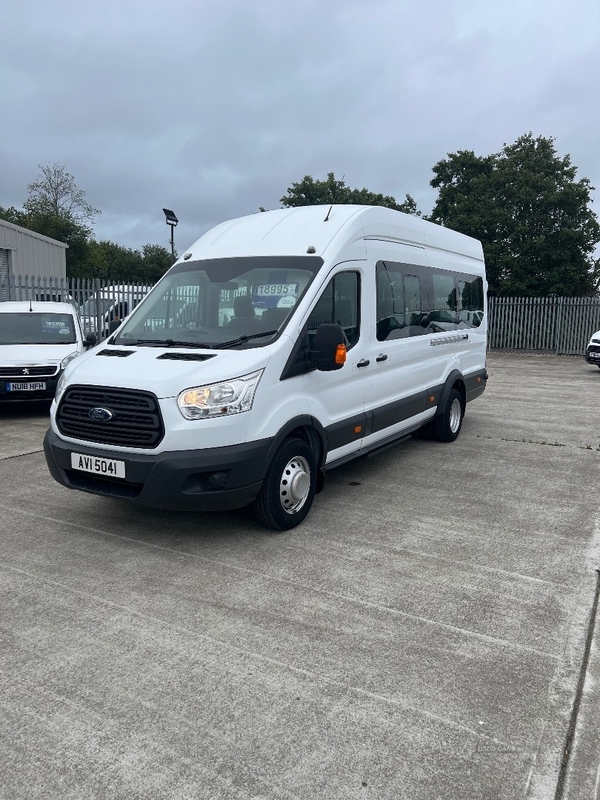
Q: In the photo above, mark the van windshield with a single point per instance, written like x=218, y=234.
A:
x=234, y=302
x=28, y=327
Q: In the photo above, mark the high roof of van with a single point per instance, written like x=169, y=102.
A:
x=292, y=231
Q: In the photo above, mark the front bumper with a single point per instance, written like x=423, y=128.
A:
x=592, y=354
x=27, y=394
x=176, y=481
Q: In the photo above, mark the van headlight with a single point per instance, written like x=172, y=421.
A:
x=219, y=399
x=60, y=387
x=67, y=359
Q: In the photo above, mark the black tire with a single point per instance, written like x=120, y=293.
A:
x=447, y=425
x=289, y=487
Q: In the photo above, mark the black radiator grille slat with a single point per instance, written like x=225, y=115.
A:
x=136, y=420
x=17, y=372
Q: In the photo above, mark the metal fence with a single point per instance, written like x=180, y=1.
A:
x=561, y=325
x=98, y=301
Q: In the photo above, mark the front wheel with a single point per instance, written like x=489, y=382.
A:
x=447, y=426
x=289, y=487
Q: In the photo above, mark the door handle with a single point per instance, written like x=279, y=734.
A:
x=364, y=362
x=381, y=357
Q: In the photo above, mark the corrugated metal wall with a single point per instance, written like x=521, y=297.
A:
x=561, y=325
x=31, y=253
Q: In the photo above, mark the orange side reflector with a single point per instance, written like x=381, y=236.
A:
x=340, y=354
x=358, y=429
x=431, y=398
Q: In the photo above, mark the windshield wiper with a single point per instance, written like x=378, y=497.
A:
x=243, y=339
x=165, y=343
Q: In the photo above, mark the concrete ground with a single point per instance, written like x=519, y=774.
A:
x=424, y=634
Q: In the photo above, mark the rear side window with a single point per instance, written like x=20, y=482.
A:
x=399, y=302
x=470, y=295
x=339, y=303
x=416, y=300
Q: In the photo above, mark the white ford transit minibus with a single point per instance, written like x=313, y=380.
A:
x=279, y=346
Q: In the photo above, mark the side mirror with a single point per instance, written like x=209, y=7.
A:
x=90, y=340
x=330, y=348
x=113, y=325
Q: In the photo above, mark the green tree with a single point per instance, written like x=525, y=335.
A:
x=55, y=194
x=13, y=215
x=113, y=262
x=309, y=191
x=157, y=260
x=531, y=214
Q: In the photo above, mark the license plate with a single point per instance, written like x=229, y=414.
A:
x=26, y=387
x=108, y=467
x=594, y=355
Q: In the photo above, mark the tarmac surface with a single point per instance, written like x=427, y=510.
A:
x=428, y=632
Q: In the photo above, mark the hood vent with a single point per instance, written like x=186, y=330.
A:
x=116, y=353
x=186, y=356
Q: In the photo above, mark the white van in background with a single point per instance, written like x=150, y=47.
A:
x=279, y=346
x=109, y=305
x=37, y=341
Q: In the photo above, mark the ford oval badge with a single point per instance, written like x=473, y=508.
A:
x=100, y=414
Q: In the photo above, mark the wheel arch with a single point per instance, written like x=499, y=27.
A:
x=303, y=427
x=455, y=380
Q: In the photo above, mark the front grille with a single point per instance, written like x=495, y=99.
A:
x=31, y=372
x=136, y=419
x=594, y=348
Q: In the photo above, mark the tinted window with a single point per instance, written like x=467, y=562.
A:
x=444, y=308
x=415, y=300
x=470, y=292
x=399, y=302
x=339, y=303
x=32, y=328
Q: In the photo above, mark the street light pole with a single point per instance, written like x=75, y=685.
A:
x=172, y=221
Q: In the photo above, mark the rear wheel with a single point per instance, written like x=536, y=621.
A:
x=289, y=487
x=447, y=426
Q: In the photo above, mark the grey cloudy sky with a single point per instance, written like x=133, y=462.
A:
x=214, y=107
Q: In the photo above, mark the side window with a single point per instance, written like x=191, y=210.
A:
x=470, y=294
x=399, y=302
x=391, y=317
x=414, y=305
x=338, y=303
x=444, y=313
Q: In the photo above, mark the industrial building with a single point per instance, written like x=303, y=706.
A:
x=24, y=252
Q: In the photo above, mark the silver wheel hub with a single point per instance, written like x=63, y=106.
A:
x=294, y=485
x=455, y=415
